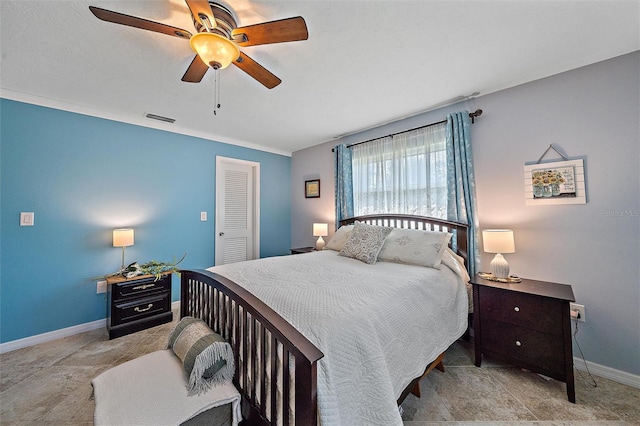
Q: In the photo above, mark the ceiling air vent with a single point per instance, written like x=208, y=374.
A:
x=161, y=118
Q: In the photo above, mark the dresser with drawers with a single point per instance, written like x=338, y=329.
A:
x=526, y=324
x=137, y=303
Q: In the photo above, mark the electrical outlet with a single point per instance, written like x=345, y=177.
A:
x=580, y=309
x=102, y=287
x=26, y=218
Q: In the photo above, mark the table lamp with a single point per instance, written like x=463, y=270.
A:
x=122, y=238
x=320, y=230
x=498, y=241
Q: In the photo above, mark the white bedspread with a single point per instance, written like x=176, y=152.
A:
x=378, y=326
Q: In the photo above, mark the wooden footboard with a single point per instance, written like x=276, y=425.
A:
x=276, y=366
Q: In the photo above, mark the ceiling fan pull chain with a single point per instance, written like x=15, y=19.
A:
x=219, y=79
x=216, y=91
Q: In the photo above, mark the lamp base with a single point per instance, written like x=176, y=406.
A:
x=320, y=243
x=122, y=266
x=499, y=266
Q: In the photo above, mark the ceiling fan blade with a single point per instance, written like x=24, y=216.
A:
x=196, y=71
x=132, y=21
x=257, y=71
x=201, y=11
x=290, y=29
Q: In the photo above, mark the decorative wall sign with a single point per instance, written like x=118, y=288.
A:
x=312, y=188
x=560, y=182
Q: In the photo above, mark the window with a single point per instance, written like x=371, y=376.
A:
x=404, y=173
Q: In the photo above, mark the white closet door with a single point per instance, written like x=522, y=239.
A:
x=237, y=211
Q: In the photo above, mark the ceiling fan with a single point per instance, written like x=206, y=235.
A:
x=218, y=37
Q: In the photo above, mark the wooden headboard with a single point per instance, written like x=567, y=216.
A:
x=459, y=230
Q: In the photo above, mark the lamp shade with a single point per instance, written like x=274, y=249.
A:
x=216, y=51
x=320, y=229
x=498, y=241
x=123, y=237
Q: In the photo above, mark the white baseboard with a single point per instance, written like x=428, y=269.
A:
x=52, y=335
x=618, y=376
x=59, y=334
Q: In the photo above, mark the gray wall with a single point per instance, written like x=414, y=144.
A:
x=591, y=113
x=311, y=163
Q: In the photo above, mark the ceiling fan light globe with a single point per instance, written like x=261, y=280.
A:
x=214, y=49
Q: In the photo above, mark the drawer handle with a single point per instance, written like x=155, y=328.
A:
x=518, y=343
x=516, y=309
x=149, y=306
x=143, y=286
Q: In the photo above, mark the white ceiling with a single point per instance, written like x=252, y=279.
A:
x=365, y=62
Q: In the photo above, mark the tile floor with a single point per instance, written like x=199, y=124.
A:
x=49, y=384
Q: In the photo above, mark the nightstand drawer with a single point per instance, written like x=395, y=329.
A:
x=538, y=313
x=523, y=344
x=142, y=287
x=141, y=308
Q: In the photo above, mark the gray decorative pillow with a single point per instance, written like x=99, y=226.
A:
x=207, y=358
x=364, y=242
x=339, y=238
x=415, y=247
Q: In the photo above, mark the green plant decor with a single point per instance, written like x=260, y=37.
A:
x=150, y=268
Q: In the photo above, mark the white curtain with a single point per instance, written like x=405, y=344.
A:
x=404, y=173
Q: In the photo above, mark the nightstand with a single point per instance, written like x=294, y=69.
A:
x=137, y=303
x=301, y=250
x=526, y=324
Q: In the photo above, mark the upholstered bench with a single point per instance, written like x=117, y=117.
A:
x=155, y=389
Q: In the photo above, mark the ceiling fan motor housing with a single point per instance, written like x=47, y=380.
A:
x=225, y=21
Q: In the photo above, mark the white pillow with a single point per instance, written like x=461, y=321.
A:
x=456, y=264
x=364, y=242
x=415, y=247
x=339, y=238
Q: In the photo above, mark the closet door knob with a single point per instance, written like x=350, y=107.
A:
x=516, y=309
x=518, y=343
x=221, y=234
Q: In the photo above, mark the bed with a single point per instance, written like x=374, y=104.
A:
x=306, y=356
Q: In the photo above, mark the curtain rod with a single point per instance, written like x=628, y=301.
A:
x=473, y=115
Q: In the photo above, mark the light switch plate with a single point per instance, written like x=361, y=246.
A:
x=203, y=216
x=26, y=218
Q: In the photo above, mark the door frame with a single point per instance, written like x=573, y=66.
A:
x=255, y=181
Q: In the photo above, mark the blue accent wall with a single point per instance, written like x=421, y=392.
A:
x=83, y=176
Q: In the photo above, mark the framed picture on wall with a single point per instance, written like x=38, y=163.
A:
x=560, y=182
x=312, y=188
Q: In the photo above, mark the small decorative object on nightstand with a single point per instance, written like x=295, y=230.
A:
x=526, y=324
x=301, y=250
x=138, y=303
x=320, y=230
